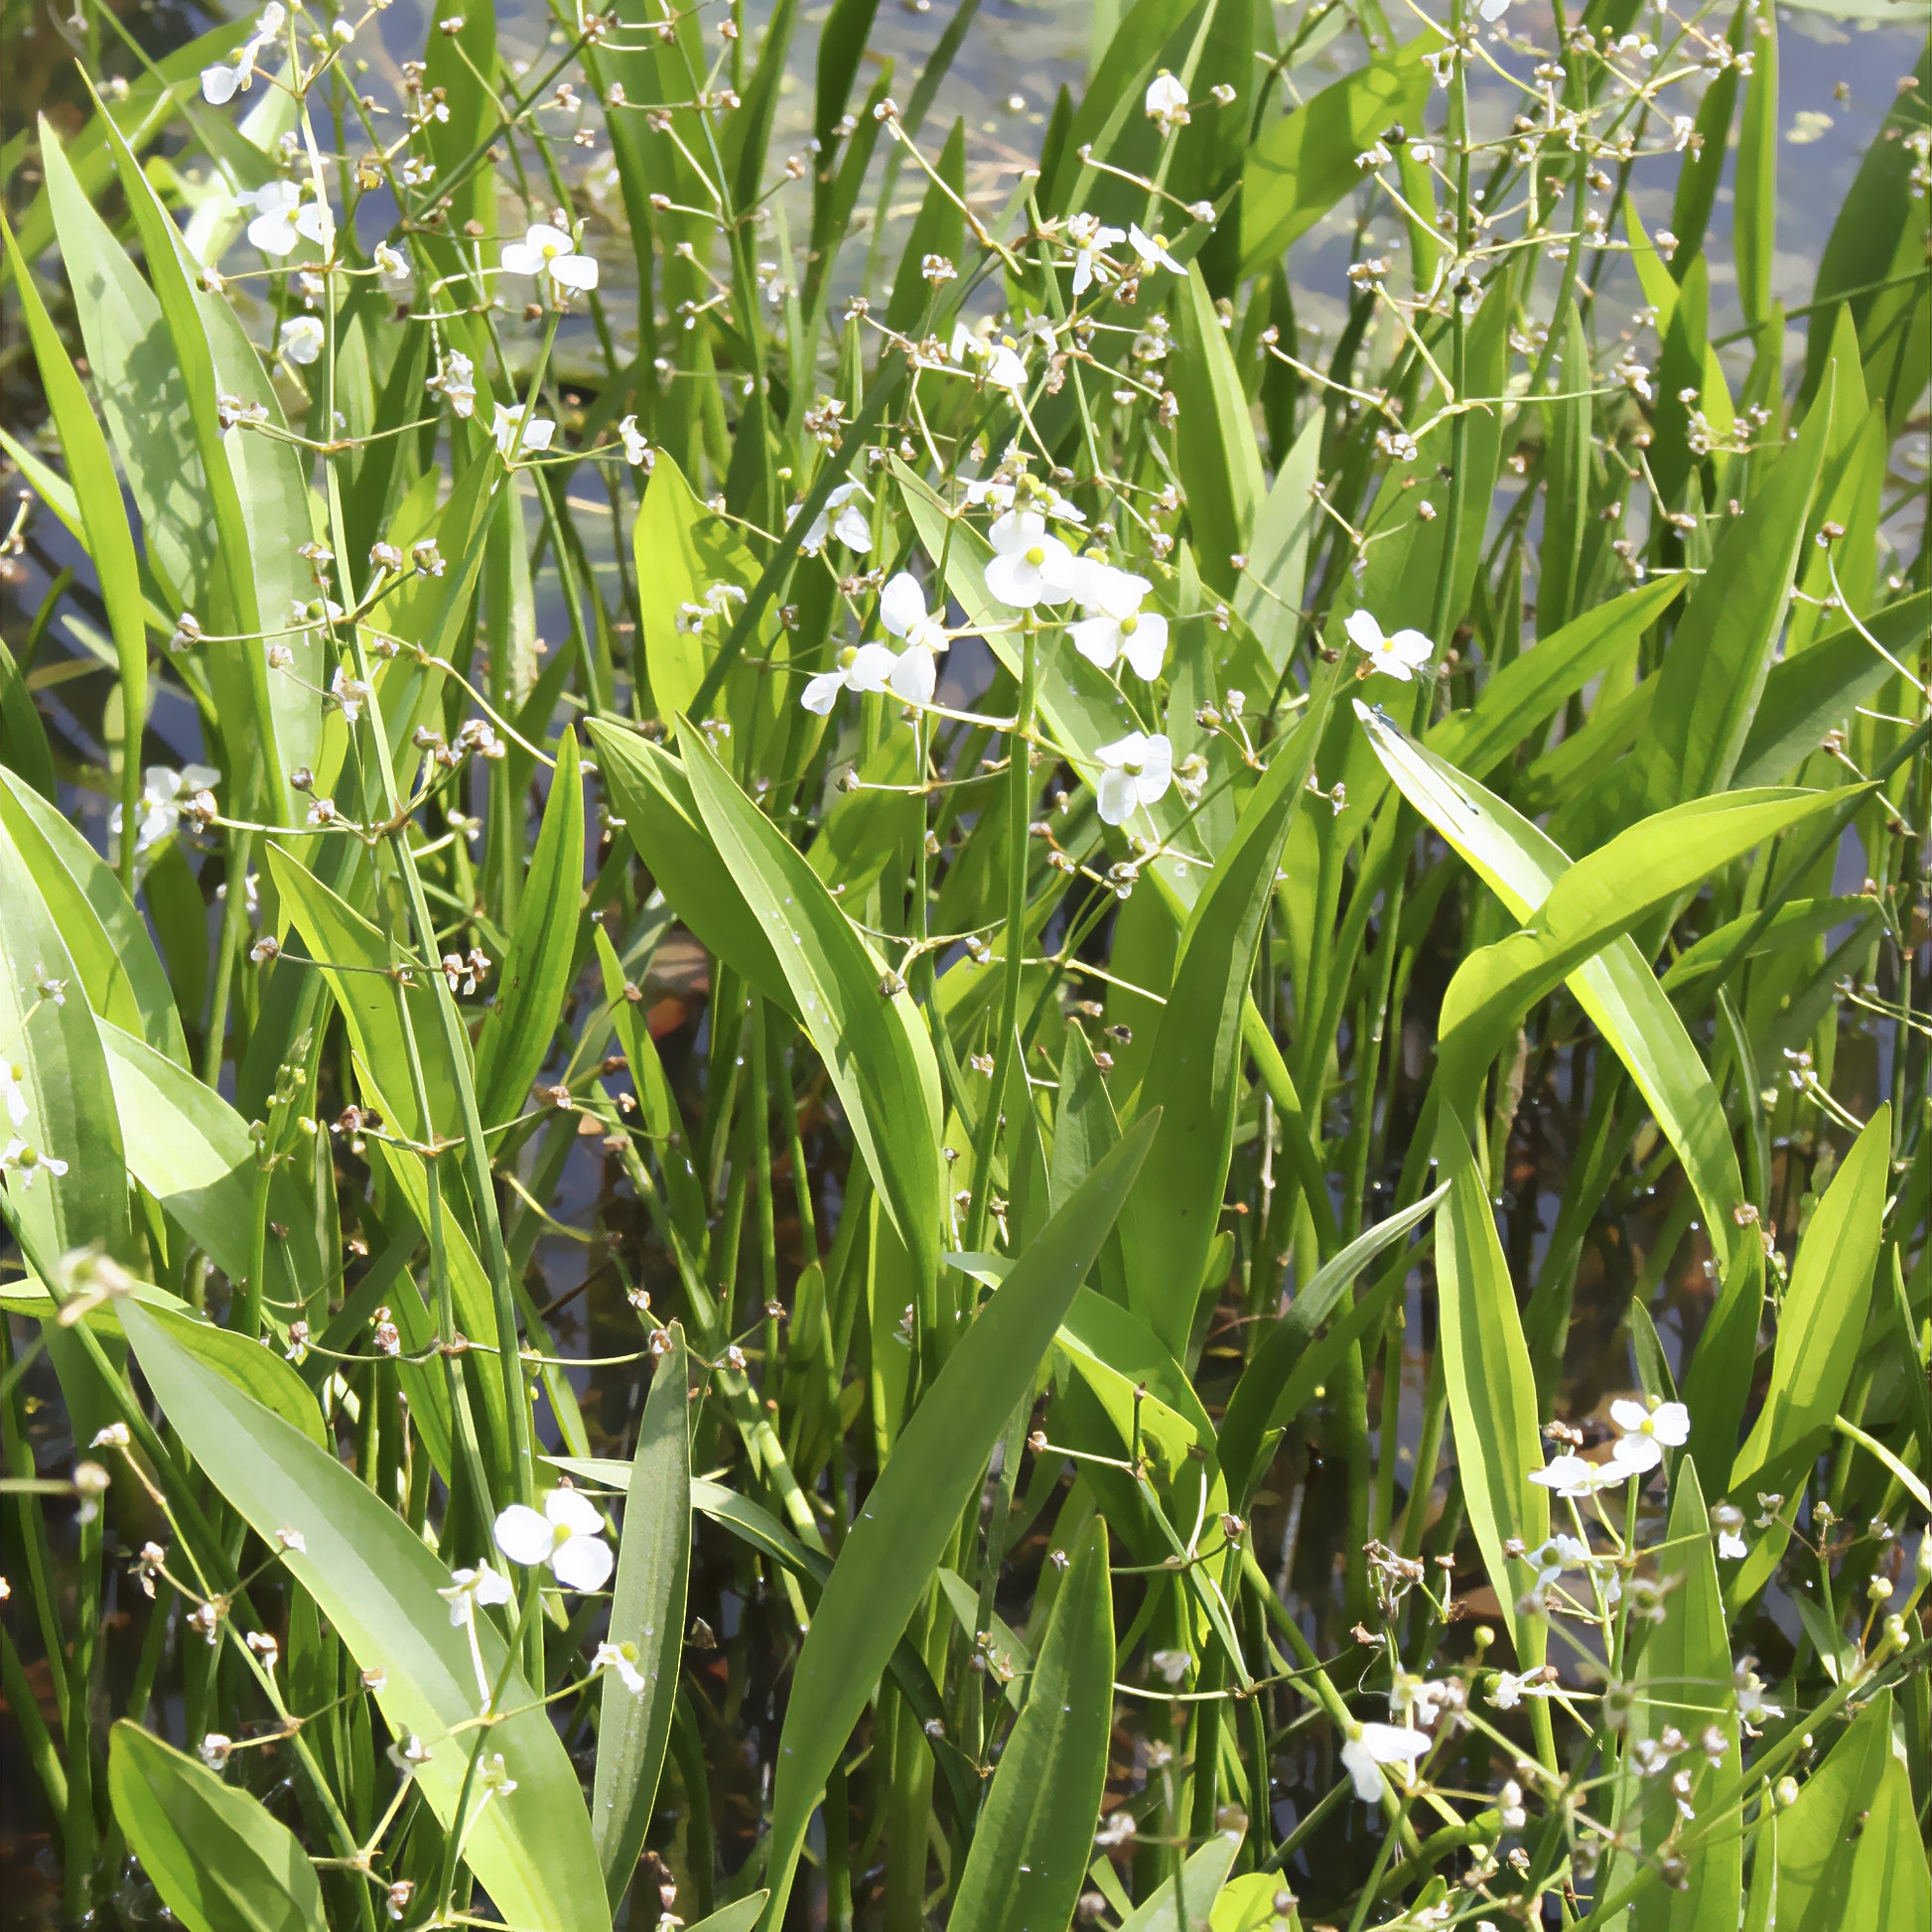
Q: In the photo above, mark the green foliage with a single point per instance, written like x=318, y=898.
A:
x=888, y=1043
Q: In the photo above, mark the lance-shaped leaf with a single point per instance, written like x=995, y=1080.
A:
x=220, y=1861
x=934, y=1472
x=378, y=1585
x=646, y=1623
x=1034, y=1838
x=858, y=1018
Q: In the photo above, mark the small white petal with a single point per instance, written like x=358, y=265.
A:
x=523, y=1535
x=571, y=1510
x=583, y=1563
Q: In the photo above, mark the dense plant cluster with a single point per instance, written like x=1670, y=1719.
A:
x=896, y=1042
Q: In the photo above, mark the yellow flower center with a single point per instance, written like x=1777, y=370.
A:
x=1035, y=556
x=1128, y=626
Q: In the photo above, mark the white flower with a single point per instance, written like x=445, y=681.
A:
x=301, y=340
x=989, y=492
x=1492, y=10
x=545, y=250
x=1374, y=1745
x=392, y=268
x=1646, y=1432
x=1135, y=771
x=537, y=432
x=1571, y=1475
x=1029, y=567
x=1729, y=1521
x=1088, y=237
x=998, y=364
x=457, y=379
x=1166, y=101
x=17, y=1158
x=469, y=1588
x=163, y=792
x=1748, y=1689
x=1151, y=249
x=1398, y=656
x=1115, y=625
x=901, y=610
x=857, y=667
x=637, y=451
x=221, y=83
x=621, y=1658
x=842, y=518
x=567, y=1537
x=13, y=1092
x=1511, y=1813
x=1550, y=1559
x=351, y=693
x=273, y=228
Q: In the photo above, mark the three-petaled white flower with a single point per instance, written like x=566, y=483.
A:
x=1029, y=566
x=1643, y=1433
x=842, y=517
x=998, y=364
x=1551, y=1558
x=990, y=493
x=1090, y=238
x=1115, y=625
x=1571, y=1477
x=283, y=219
x=622, y=1659
x=222, y=82
x=566, y=1537
x=470, y=1587
x=1166, y=101
x=1371, y=1746
x=1135, y=771
x=17, y=1158
x=13, y=1092
x=1151, y=249
x=901, y=610
x=301, y=340
x=637, y=449
x=545, y=250
x=857, y=667
x=1401, y=655
x=351, y=693
x=163, y=792
x=537, y=433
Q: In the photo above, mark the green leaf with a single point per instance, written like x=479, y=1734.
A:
x=1822, y=1323
x=646, y=1613
x=1195, y=1071
x=1260, y=1397
x=1491, y=1386
x=1301, y=167
x=1113, y=99
x=873, y=1042
x=1268, y=593
x=1219, y=458
x=191, y=1152
x=908, y=1521
x=1529, y=689
x=47, y=1030
x=1849, y=1853
x=97, y=494
x=109, y=941
x=359, y=963
x=1183, y=1903
x=376, y=1582
x=1809, y=693
x=1684, y=1680
x=1754, y=211
x=1034, y=1840
x=258, y=496
x=1720, y=652
x=536, y=974
x=682, y=550
x=220, y=1861
x=653, y=796
x=259, y=1373
x=1593, y=902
